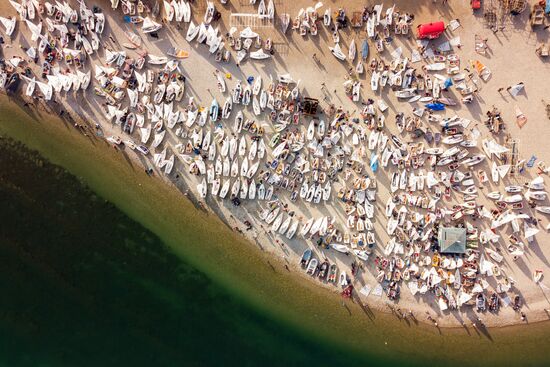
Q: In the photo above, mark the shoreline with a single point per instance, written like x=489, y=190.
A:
x=40, y=137
x=69, y=267
x=224, y=213
x=239, y=229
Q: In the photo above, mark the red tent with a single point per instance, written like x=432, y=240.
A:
x=430, y=30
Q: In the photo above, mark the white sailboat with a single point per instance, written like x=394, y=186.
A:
x=9, y=24
x=337, y=52
x=259, y=55
x=36, y=29
x=352, y=50
x=192, y=32
x=225, y=189
x=185, y=8
x=327, y=19
x=150, y=25
x=202, y=188
x=30, y=86
x=46, y=90
x=374, y=80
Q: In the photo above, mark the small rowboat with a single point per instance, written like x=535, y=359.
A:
x=133, y=38
x=521, y=120
x=495, y=195
x=312, y=267
x=333, y=272
x=513, y=199
x=476, y=159
x=513, y=188
x=536, y=195
x=177, y=53
x=129, y=46
x=340, y=248
x=453, y=139
x=543, y=209
x=306, y=256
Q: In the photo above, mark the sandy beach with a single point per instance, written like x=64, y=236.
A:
x=511, y=57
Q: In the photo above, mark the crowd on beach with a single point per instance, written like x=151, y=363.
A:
x=270, y=144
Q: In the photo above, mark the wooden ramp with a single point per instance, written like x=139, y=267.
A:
x=243, y=20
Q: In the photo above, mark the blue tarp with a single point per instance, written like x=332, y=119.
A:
x=435, y=106
x=250, y=79
x=448, y=83
x=127, y=19
x=547, y=10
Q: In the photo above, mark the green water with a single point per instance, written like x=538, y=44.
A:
x=237, y=308
x=83, y=284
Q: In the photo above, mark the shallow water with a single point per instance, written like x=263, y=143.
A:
x=273, y=311
x=83, y=284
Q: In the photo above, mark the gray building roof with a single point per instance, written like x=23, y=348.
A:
x=452, y=240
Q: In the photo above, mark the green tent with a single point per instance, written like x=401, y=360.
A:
x=452, y=240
